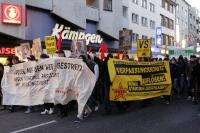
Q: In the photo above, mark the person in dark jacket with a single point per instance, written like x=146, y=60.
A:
x=1, y=76
x=107, y=83
x=181, y=64
x=196, y=80
x=174, y=74
x=190, y=80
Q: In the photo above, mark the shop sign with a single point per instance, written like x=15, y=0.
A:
x=68, y=34
x=11, y=14
x=159, y=37
x=187, y=53
x=7, y=51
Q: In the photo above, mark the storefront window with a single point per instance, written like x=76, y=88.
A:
x=107, y=5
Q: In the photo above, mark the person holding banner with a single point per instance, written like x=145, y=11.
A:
x=48, y=107
x=15, y=60
x=29, y=108
x=1, y=76
x=63, y=109
x=107, y=83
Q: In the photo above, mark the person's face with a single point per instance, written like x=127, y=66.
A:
x=14, y=61
x=61, y=55
x=7, y=62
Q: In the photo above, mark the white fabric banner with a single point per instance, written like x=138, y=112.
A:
x=55, y=80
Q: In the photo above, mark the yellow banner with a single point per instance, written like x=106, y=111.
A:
x=144, y=48
x=50, y=43
x=136, y=81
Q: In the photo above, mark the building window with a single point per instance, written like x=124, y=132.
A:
x=162, y=20
x=171, y=8
x=177, y=20
x=144, y=3
x=190, y=26
x=166, y=22
x=177, y=7
x=152, y=7
x=194, y=18
x=144, y=37
x=135, y=18
x=171, y=24
x=185, y=25
x=135, y=37
x=135, y=1
x=163, y=3
x=107, y=5
x=190, y=16
x=186, y=13
x=125, y=11
x=144, y=22
x=92, y=3
x=171, y=40
x=152, y=41
x=152, y=24
x=194, y=27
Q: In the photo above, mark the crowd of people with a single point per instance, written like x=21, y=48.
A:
x=185, y=75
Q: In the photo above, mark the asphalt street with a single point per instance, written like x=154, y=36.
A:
x=181, y=116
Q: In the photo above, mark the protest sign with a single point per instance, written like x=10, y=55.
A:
x=136, y=81
x=78, y=48
x=50, y=43
x=125, y=39
x=37, y=48
x=26, y=51
x=18, y=52
x=144, y=48
x=55, y=80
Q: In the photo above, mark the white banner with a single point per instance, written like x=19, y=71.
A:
x=57, y=80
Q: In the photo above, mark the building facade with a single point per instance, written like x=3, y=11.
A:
x=182, y=22
x=193, y=26
x=167, y=17
x=144, y=17
x=93, y=18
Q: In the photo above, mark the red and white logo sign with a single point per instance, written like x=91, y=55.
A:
x=11, y=14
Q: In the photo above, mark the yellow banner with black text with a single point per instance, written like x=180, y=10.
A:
x=137, y=81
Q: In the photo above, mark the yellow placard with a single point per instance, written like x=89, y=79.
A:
x=137, y=81
x=144, y=48
x=50, y=43
x=37, y=48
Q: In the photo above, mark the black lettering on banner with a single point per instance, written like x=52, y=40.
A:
x=69, y=66
x=49, y=66
x=148, y=88
x=39, y=68
x=150, y=79
x=125, y=69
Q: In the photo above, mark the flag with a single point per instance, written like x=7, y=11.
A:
x=90, y=50
x=118, y=54
x=59, y=44
x=103, y=50
x=123, y=55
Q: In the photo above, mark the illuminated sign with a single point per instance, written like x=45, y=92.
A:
x=69, y=34
x=11, y=14
x=7, y=51
x=159, y=37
